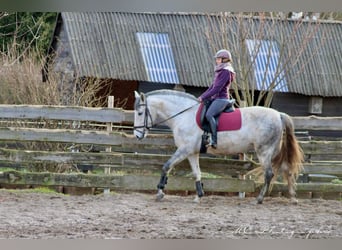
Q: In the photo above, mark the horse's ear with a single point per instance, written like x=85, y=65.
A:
x=136, y=94
x=142, y=97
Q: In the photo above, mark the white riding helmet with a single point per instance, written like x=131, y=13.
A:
x=223, y=53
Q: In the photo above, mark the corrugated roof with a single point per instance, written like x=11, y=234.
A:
x=105, y=45
x=318, y=71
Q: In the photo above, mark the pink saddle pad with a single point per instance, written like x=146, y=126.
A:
x=227, y=121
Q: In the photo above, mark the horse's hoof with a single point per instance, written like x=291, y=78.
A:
x=160, y=195
x=197, y=199
x=260, y=200
x=294, y=201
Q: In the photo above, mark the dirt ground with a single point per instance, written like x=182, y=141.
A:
x=31, y=215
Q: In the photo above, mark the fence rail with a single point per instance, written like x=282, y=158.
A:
x=45, y=112
x=117, y=115
x=317, y=123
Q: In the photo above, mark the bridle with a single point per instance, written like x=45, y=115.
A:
x=148, y=117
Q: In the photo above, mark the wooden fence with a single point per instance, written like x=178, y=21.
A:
x=136, y=164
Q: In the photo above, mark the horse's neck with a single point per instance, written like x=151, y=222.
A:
x=168, y=107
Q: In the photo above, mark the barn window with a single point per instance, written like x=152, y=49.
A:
x=158, y=57
x=268, y=70
x=315, y=105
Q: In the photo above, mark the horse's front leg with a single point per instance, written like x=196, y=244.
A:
x=176, y=158
x=194, y=163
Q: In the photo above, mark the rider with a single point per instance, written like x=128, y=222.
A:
x=218, y=92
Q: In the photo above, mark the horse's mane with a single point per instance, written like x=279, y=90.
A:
x=171, y=93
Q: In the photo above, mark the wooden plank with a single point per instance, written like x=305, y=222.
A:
x=82, y=137
x=177, y=183
x=333, y=168
x=60, y=135
x=217, y=166
x=125, y=182
x=128, y=116
x=126, y=161
x=117, y=115
x=26, y=156
x=135, y=182
x=321, y=178
x=62, y=113
x=158, y=142
x=127, y=142
x=309, y=187
x=322, y=147
x=317, y=122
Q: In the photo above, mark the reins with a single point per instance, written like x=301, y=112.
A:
x=173, y=116
x=148, y=116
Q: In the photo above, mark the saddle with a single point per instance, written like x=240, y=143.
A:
x=203, y=121
x=228, y=120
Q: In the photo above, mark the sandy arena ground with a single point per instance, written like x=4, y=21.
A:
x=31, y=215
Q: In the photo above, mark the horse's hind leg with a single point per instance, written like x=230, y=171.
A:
x=291, y=183
x=265, y=157
x=268, y=177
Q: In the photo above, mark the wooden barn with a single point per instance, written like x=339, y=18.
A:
x=147, y=51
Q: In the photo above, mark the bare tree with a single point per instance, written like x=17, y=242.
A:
x=264, y=48
x=21, y=75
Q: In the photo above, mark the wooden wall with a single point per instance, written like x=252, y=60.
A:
x=292, y=104
x=123, y=92
x=298, y=105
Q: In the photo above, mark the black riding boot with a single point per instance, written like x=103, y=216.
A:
x=213, y=128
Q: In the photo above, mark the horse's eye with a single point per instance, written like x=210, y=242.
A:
x=140, y=113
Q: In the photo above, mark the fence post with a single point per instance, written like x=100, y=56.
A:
x=242, y=176
x=109, y=148
x=242, y=156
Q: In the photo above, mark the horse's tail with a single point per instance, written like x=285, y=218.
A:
x=290, y=152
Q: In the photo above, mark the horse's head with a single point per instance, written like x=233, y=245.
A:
x=159, y=107
x=142, y=116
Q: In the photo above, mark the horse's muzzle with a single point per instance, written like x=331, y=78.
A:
x=139, y=134
x=139, y=137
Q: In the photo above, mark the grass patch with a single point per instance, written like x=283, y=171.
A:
x=336, y=181
x=44, y=190
x=37, y=190
x=7, y=169
x=205, y=175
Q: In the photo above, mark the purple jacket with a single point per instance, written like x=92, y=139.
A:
x=220, y=86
